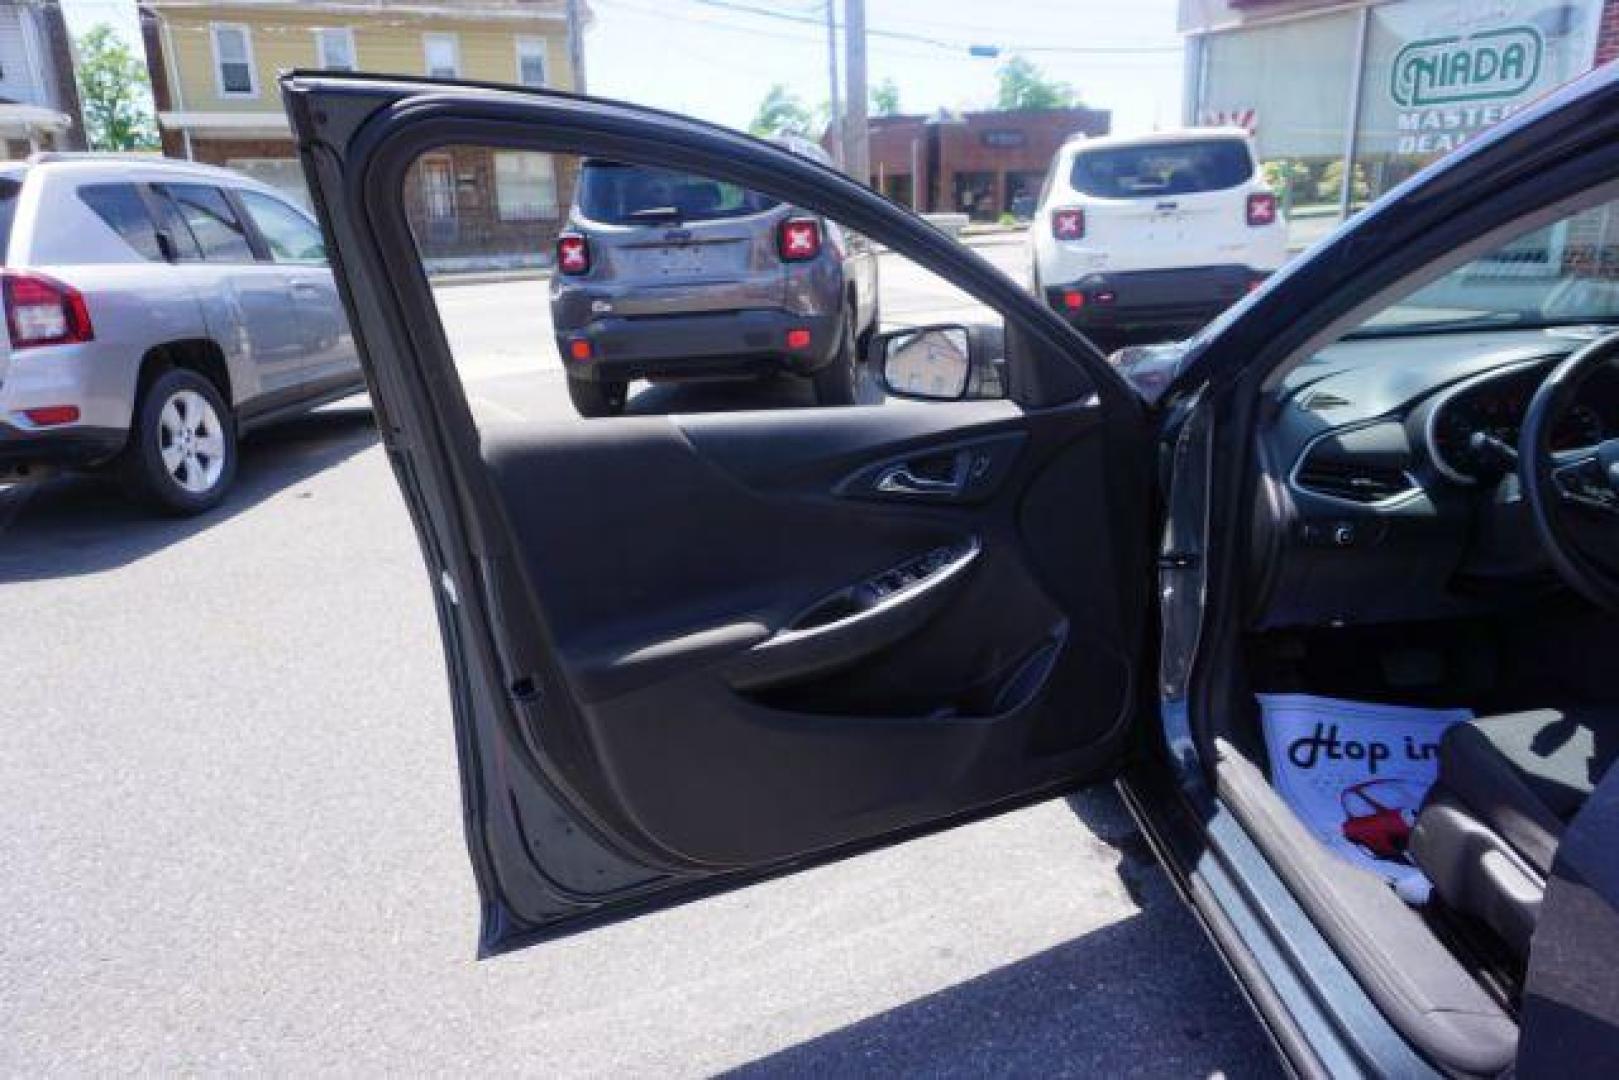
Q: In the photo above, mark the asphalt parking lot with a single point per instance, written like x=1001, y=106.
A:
x=232, y=838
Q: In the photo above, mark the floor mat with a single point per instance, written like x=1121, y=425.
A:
x=1356, y=774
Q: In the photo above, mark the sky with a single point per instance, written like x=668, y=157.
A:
x=715, y=59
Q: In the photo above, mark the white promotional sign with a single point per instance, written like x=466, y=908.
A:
x=1356, y=775
x=1439, y=72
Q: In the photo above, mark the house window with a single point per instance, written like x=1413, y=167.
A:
x=525, y=186
x=443, y=54
x=334, y=48
x=233, y=60
x=531, y=62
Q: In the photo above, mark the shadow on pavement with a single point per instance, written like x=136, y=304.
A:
x=82, y=524
x=1144, y=995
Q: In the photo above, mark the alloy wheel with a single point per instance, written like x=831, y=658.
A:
x=191, y=441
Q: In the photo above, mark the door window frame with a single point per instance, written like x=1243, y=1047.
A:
x=160, y=190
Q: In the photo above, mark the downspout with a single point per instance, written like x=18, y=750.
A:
x=176, y=91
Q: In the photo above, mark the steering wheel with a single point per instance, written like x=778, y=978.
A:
x=1574, y=494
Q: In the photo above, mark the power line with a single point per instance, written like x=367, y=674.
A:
x=756, y=10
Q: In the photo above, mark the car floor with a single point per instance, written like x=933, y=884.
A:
x=1441, y=977
x=1435, y=960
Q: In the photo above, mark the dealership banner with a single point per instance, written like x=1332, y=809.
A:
x=1439, y=72
x=1356, y=775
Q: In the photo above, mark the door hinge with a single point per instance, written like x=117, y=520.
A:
x=1180, y=560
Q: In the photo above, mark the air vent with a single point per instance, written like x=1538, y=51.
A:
x=1353, y=481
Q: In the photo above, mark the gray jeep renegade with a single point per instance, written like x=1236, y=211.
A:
x=666, y=276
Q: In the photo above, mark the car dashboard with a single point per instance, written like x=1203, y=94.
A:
x=1388, y=487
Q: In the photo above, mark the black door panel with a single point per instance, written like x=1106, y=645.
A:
x=745, y=695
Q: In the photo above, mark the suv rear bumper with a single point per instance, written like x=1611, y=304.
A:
x=1152, y=298
x=26, y=451
x=713, y=344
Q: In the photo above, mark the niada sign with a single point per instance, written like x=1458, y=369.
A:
x=1486, y=66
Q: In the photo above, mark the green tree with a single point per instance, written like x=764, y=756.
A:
x=1024, y=86
x=780, y=111
x=115, y=93
x=885, y=99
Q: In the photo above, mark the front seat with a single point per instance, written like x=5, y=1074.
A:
x=1507, y=787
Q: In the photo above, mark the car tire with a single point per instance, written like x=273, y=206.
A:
x=181, y=455
x=835, y=384
x=594, y=399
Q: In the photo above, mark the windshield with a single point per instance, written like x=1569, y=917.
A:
x=1564, y=274
x=1158, y=169
x=633, y=194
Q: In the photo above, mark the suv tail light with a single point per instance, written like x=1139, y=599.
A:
x=43, y=311
x=798, y=239
x=573, y=254
x=1068, y=223
x=1261, y=208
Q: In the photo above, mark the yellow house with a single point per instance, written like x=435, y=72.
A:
x=214, y=65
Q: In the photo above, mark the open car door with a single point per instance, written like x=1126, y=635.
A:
x=688, y=652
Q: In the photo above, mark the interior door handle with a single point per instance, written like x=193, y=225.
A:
x=900, y=480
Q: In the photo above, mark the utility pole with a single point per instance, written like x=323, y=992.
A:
x=576, y=47
x=835, y=122
x=857, y=145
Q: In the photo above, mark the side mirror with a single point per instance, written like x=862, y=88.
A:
x=937, y=363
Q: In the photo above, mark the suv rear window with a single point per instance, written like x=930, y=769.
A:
x=1181, y=168
x=124, y=211
x=633, y=194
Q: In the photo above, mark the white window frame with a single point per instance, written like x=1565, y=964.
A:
x=454, y=41
x=219, y=63
x=529, y=47
x=346, y=33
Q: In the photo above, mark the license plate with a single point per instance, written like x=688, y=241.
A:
x=680, y=261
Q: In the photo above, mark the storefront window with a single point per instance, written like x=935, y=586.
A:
x=1439, y=72
x=1290, y=84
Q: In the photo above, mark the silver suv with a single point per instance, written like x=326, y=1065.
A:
x=155, y=310
x=665, y=276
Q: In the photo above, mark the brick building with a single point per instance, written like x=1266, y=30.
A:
x=976, y=163
x=214, y=64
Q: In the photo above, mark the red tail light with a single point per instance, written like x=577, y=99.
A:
x=43, y=311
x=1261, y=208
x=798, y=239
x=1068, y=223
x=573, y=254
